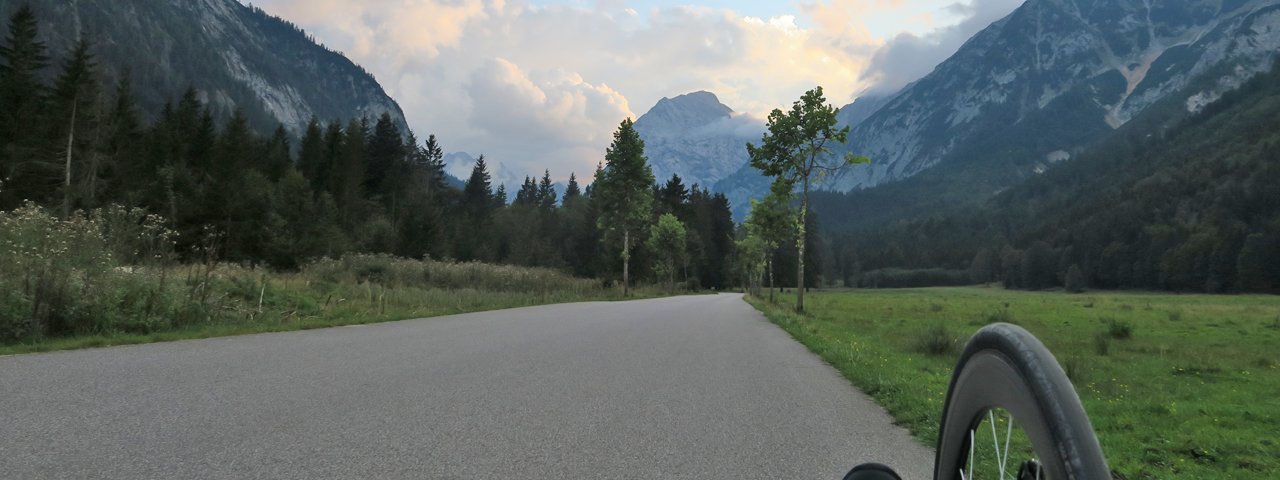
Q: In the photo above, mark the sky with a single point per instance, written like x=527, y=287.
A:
x=537, y=84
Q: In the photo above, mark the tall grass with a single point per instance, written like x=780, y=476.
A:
x=91, y=273
x=111, y=276
x=392, y=272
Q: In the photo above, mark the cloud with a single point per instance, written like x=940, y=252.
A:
x=561, y=107
x=545, y=86
x=907, y=57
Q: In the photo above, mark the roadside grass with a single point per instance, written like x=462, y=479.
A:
x=1175, y=385
x=188, y=302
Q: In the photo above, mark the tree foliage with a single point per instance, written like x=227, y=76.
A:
x=795, y=148
x=624, y=190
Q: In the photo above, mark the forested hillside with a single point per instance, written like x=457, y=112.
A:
x=239, y=195
x=1188, y=203
x=236, y=57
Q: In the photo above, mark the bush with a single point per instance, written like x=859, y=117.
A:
x=1118, y=329
x=937, y=340
x=95, y=272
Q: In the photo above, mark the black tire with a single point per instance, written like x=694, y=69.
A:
x=1004, y=366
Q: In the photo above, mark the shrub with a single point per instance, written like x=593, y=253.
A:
x=1175, y=315
x=95, y=272
x=1118, y=329
x=937, y=340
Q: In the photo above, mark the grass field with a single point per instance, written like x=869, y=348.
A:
x=1177, y=386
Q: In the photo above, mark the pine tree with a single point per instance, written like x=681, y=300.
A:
x=277, y=158
x=349, y=174
x=123, y=149
x=22, y=57
x=673, y=197
x=624, y=192
x=433, y=163
x=311, y=156
x=571, y=191
x=477, y=205
x=500, y=197
x=73, y=125
x=330, y=172
x=546, y=193
x=385, y=150
x=528, y=193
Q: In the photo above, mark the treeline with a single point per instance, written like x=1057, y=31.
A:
x=1192, y=207
x=360, y=185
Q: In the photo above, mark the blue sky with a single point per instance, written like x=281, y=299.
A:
x=537, y=84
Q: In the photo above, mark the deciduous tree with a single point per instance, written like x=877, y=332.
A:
x=796, y=147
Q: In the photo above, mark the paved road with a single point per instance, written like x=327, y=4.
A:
x=689, y=387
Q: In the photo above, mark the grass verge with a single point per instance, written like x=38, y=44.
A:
x=1186, y=386
x=187, y=302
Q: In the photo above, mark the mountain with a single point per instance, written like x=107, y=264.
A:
x=704, y=142
x=235, y=56
x=1189, y=204
x=1054, y=76
x=696, y=137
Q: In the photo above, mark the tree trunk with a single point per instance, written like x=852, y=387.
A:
x=769, y=266
x=626, y=261
x=804, y=212
x=71, y=136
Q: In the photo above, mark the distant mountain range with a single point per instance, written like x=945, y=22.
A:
x=235, y=56
x=1055, y=75
x=1035, y=88
x=704, y=142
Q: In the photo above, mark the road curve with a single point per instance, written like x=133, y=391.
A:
x=688, y=387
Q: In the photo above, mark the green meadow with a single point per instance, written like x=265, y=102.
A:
x=1184, y=386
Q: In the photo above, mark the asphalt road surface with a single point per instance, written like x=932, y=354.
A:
x=688, y=387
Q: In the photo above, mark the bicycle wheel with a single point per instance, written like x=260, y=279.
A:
x=1006, y=378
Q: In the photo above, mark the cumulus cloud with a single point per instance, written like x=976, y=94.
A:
x=561, y=107
x=544, y=86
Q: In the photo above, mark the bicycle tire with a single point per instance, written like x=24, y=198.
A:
x=1004, y=366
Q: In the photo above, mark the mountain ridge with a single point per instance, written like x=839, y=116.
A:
x=703, y=141
x=1111, y=61
x=235, y=57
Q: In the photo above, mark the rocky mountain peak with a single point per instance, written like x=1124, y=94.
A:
x=236, y=57
x=682, y=113
x=1067, y=72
